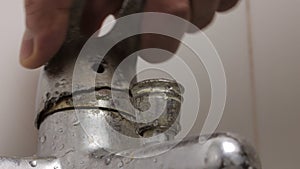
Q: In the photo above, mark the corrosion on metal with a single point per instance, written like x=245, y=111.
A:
x=103, y=133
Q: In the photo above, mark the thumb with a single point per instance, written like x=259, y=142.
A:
x=46, y=28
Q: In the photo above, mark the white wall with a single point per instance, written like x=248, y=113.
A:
x=276, y=54
x=259, y=43
x=268, y=68
x=229, y=34
x=17, y=133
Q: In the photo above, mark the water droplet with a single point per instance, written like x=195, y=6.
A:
x=61, y=83
x=170, y=118
x=127, y=160
x=155, y=160
x=82, y=162
x=76, y=123
x=33, y=163
x=48, y=95
x=60, y=130
x=107, y=161
x=202, y=140
x=155, y=123
x=61, y=147
x=53, y=148
x=43, y=139
x=120, y=164
x=117, y=128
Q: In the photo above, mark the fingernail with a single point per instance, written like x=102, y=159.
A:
x=27, y=45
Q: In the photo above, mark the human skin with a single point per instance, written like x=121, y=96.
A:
x=47, y=24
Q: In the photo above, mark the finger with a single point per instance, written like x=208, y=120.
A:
x=203, y=12
x=180, y=8
x=226, y=5
x=46, y=22
x=95, y=13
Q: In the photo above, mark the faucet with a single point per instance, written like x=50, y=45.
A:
x=81, y=125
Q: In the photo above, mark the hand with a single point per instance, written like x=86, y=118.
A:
x=47, y=23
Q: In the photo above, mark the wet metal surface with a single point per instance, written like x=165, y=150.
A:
x=89, y=149
x=29, y=163
x=135, y=129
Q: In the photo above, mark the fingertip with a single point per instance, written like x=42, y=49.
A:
x=48, y=23
x=31, y=63
x=41, y=48
x=95, y=13
x=27, y=50
x=165, y=25
x=26, y=47
x=154, y=41
x=34, y=60
x=225, y=5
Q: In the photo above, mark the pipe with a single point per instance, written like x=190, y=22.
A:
x=77, y=131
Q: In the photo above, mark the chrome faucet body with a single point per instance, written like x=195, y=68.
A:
x=78, y=132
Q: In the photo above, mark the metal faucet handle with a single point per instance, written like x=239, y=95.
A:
x=56, y=78
x=74, y=31
x=75, y=39
x=70, y=139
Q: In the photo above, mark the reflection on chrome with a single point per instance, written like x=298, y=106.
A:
x=102, y=134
